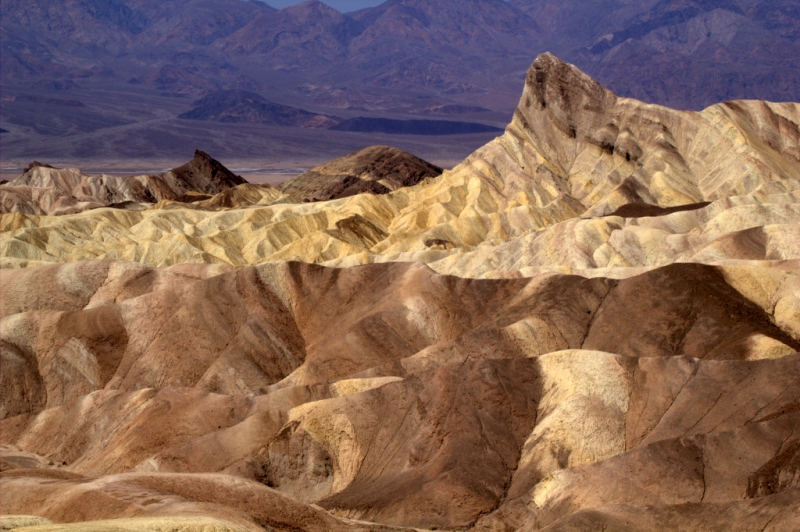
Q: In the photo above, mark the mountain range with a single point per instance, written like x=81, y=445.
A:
x=590, y=323
x=136, y=65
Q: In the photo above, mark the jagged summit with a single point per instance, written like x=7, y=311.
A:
x=35, y=164
x=204, y=174
x=604, y=151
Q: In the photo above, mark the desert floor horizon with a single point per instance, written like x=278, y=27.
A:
x=590, y=322
x=255, y=171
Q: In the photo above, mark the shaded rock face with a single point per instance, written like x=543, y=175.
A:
x=375, y=170
x=204, y=174
x=42, y=189
x=640, y=210
x=386, y=392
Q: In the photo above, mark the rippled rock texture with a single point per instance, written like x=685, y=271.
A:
x=572, y=157
x=592, y=323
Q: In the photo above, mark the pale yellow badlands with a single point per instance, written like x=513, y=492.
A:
x=536, y=197
x=134, y=524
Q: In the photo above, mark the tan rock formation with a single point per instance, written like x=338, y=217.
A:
x=376, y=170
x=219, y=503
x=45, y=190
x=387, y=392
x=573, y=150
x=593, y=322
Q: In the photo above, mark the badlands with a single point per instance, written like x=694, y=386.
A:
x=592, y=323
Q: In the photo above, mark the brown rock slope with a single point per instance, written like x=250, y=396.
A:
x=376, y=170
x=592, y=323
x=42, y=189
x=393, y=394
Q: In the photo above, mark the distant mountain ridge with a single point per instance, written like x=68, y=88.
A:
x=681, y=53
x=438, y=39
x=393, y=60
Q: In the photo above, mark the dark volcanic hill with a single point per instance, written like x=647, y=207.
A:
x=204, y=174
x=377, y=170
x=413, y=127
x=235, y=106
x=242, y=106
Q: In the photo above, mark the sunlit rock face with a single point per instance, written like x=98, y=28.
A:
x=574, y=153
x=593, y=321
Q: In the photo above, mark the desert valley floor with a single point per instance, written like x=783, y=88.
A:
x=591, y=323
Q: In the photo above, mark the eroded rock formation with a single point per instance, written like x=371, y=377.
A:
x=593, y=322
x=573, y=152
x=377, y=170
x=387, y=392
x=44, y=190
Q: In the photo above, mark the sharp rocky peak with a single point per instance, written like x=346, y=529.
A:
x=206, y=174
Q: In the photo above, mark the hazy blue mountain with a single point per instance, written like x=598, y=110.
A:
x=134, y=60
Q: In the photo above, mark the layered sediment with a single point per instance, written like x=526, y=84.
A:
x=593, y=322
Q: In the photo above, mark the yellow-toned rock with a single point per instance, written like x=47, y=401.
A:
x=574, y=152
